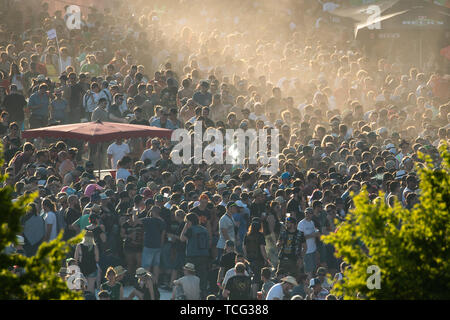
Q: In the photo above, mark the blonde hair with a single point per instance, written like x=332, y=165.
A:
x=110, y=269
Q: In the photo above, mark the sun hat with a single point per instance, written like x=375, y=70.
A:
x=189, y=266
x=120, y=270
x=290, y=279
x=141, y=272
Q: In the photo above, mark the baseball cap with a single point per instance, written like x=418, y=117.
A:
x=286, y=175
x=313, y=282
x=229, y=243
x=231, y=204
x=291, y=220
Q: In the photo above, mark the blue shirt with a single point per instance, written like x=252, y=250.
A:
x=242, y=219
x=157, y=123
x=153, y=229
x=59, y=109
x=37, y=99
x=198, y=241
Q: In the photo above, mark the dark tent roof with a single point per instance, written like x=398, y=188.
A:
x=418, y=15
x=361, y=13
x=398, y=15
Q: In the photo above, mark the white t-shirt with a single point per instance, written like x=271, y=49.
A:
x=152, y=155
x=227, y=223
x=122, y=173
x=307, y=227
x=118, y=151
x=50, y=218
x=275, y=292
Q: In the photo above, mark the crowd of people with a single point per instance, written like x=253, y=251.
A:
x=220, y=231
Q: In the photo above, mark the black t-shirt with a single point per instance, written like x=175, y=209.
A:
x=76, y=96
x=253, y=243
x=71, y=215
x=14, y=104
x=239, y=287
x=227, y=261
x=114, y=110
x=165, y=215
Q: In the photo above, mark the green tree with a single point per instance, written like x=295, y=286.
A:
x=410, y=247
x=39, y=280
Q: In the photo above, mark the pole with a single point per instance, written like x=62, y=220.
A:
x=98, y=159
x=59, y=54
x=421, y=50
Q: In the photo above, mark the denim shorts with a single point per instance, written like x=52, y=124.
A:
x=151, y=257
x=309, y=262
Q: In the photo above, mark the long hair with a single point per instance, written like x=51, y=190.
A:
x=13, y=70
x=255, y=227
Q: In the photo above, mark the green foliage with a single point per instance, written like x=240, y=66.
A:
x=411, y=247
x=40, y=280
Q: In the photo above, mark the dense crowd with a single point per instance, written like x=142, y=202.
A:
x=346, y=122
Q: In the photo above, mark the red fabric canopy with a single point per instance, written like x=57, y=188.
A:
x=97, y=131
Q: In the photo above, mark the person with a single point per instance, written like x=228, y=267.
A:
x=227, y=261
x=14, y=104
x=132, y=234
x=154, y=235
x=187, y=287
x=318, y=292
x=145, y=287
x=33, y=230
x=197, y=241
x=74, y=96
x=116, y=151
x=310, y=232
x=267, y=283
x=38, y=104
x=290, y=244
x=202, y=96
x=238, y=287
x=282, y=290
x=152, y=154
x=59, y=107
x=255, y=252
x=50, y=220
x=87, y=257
x=112, y=286
x=226, y=228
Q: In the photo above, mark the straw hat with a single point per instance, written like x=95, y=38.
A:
x=141, y=272
x=290, y=279
x=120, y=270
x=189, y=267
